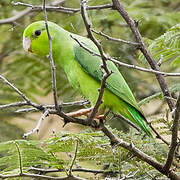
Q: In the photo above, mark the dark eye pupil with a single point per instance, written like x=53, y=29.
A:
x=37, y=32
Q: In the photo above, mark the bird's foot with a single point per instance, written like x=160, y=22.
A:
x=97, y=124
x=99, y=119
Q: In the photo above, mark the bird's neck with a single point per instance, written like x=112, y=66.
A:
x=63, y=49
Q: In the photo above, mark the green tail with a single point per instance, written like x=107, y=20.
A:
x=138, y=119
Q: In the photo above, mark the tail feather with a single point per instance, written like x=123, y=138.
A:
x=138, y=119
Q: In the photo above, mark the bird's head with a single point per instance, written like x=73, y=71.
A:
x=35, y=39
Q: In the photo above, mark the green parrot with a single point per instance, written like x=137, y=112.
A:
x=84, y=70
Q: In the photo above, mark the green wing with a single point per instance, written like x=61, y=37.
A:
x=115, y=83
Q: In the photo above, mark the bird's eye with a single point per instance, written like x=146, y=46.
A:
x=37, y=32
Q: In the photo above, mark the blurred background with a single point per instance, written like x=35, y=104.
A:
x=32, y=74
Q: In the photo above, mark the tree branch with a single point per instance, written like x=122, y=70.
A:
x=157, y=134
x=49, y=106
x=28, y=101
x=50, y=57
x=13, y=19
x=15, y=89
x=130, y=175
x=115, y=39
x=73, y=170
x=21, y=14
x=174, y=137
x=61, y=8
x=36, y=129
x=141, y=155
x=87, y=24
x=16, y=104
x=133, y=26
x=33, y=8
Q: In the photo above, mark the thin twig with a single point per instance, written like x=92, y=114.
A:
x=130, y=175
x=115, y=39
x=27, y=110
x=33, y=8
x=29, y=102
x=128, y=122
x=174, y=137
x=15, y=104
x=21, y=14
x=19, y=156
x=87, y=24
x=70, y=156
x=73, y=170
x=124, y=64
x=50, y=57
x=49, y=106
x=160, y=60
x=13, y=19
x=15, y=89
x=73, y=160
x=36, y=129
x=61, y=8
x=48, y=8
x=157, y=134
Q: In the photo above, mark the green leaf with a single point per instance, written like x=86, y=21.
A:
x=26, y=153
x=172, y=89
x=176, y=62
x=166, y=47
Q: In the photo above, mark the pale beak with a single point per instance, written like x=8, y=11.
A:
x=27, y=44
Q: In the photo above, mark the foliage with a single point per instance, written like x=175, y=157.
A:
x=15, y=154
x=167, y=47
x=92, y=147
x=6, y=127
x=173, y=89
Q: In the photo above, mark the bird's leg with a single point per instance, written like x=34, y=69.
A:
x=99, y=119
x=80, y=112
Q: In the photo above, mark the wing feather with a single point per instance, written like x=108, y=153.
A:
x=92, y=65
